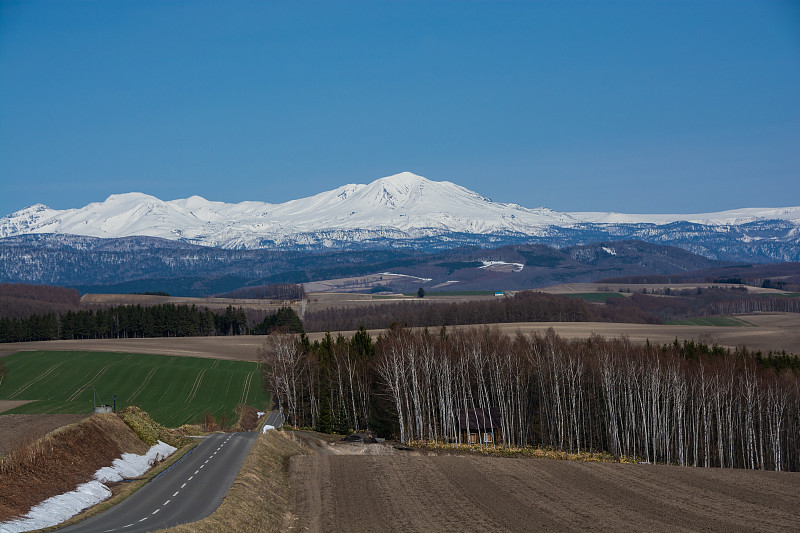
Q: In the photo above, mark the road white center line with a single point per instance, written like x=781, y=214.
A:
x=177, y=491
x=129, y=525
x=157, y=510
x=142, y=520
x=196, y=471
x=183, y=485
x=201, y=466
x=167, y=502
x=192, y=477
x=205, y=463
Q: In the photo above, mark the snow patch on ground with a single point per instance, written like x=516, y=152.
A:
x=609, y=251
x=266, y=428
x=59, y=508
x=260, y=414
x=516, y=266
x=131, y=465
x=404, y=276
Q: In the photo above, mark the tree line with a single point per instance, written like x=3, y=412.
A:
x=705, y=302
x=525, y=306
x=685, y=404
x=274, y=291
x=132, y=321
x=21, y=300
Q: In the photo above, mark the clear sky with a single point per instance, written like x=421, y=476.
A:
x=652, y=106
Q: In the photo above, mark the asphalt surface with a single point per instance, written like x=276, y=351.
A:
x=188, y=491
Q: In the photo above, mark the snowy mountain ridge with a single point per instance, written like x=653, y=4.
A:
x=395, y=208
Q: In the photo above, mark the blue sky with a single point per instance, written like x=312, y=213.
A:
x=577, y=106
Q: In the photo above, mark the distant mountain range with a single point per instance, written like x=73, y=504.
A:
x=410, y=212
x=137, y=264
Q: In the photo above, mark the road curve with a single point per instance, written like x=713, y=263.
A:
x=188, y=491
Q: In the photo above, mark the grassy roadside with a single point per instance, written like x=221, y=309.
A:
x=121, y=491
x=259, y=500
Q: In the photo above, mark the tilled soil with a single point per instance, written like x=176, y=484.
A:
x=18, y=429
x=407, y=492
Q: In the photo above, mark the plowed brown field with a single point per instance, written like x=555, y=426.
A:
x=402, y=491
x=19, y=429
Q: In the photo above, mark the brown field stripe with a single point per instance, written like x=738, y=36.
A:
x=247, y=381
x=145, y=381
x=198, y=380
x=34, y=381
x=94, y=378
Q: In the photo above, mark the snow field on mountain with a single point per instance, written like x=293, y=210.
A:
x=402, y=206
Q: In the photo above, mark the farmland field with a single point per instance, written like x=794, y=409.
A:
x=711, y=321
x=594, y=296
x=174, y=390
x=340, y=487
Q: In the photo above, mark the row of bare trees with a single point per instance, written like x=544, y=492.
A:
x=643, y=402
x=326, y=385
x=657, y=404
x=525, y=306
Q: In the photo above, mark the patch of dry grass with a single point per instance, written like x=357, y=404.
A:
x=517, y=451
x=259, y=500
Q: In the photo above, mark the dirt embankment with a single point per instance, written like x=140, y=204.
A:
x=338, y=491
x=61, y=460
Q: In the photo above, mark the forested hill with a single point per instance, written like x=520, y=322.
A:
x=142, y=264
x=21, y=300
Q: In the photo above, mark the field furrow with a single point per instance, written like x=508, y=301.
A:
x=88, y=383
x=246, y=387
x=34, y=381
x=143, y=385
x=197, y=382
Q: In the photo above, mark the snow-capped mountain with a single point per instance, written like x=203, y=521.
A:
x=401, y=210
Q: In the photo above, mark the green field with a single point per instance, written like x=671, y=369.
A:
x=174, y=390
x=711, y=321
x=594, y=296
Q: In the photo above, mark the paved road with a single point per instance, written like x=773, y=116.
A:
x=190, y=490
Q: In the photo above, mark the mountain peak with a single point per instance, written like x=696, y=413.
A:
x=403, y=206
x=403, y=178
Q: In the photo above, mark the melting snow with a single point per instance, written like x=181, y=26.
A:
x=517, y=266
x=260, y=414
x=404, y=276
x=266, y=428
x=609, y=251
x=55, y=510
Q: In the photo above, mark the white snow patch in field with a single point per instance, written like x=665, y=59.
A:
x=609, y=251
x=266, y=428
x=517, y=266
x=404, y=276
x=55, y=510
x=260, y=414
